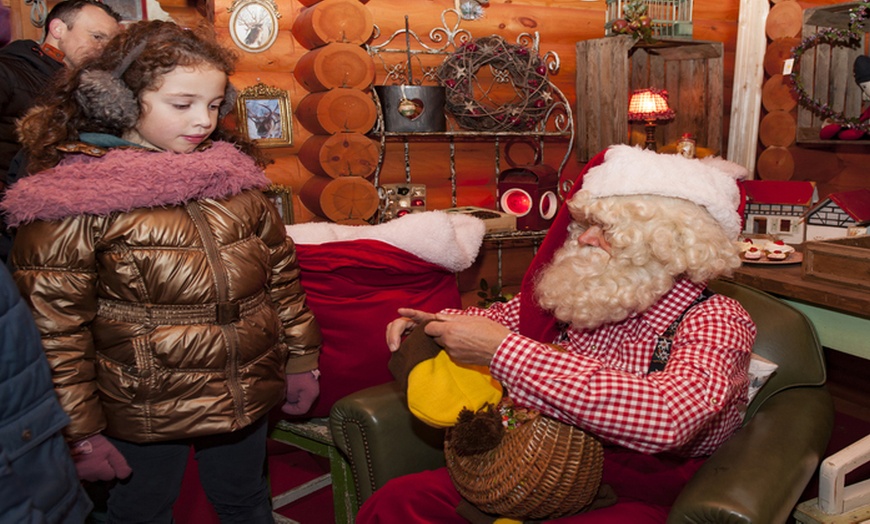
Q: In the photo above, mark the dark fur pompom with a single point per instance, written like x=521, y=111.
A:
x=476, y=432
x=107, y=100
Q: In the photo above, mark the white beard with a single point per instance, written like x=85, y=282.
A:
x=586, y=287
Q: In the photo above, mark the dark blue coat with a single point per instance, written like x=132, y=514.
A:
x=38, y=482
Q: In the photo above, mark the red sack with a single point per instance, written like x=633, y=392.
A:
x=355, y=287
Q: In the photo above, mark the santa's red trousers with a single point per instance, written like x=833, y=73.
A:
x=646, y=487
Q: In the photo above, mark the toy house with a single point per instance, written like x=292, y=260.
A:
x=777, y=208
x=840, y=214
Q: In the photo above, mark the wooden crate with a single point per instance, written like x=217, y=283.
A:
x=841, y=260
x=826, y=71
x=609, y=69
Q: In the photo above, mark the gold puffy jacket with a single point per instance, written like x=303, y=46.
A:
x=174, y=318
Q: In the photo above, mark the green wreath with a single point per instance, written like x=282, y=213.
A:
x=836, y=37
x=513, y=63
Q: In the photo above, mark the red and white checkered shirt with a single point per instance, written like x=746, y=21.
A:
x=602, y=384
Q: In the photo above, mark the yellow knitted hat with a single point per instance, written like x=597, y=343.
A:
x=438, y=389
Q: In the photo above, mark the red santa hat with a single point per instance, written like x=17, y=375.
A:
x=622, y=170
x=709, y=183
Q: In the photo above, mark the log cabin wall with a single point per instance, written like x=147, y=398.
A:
x=790, y=147
x=560, y=23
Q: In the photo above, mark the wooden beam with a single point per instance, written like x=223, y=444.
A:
x=748, y=78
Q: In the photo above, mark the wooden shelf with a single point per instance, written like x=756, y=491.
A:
x=826, y=74
x=809, y=137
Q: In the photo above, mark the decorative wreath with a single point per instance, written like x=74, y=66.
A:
x=836, y=37
x=513, y=63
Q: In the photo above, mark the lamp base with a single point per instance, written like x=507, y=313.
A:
x=650, y=136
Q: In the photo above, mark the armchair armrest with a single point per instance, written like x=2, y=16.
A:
x=758, y=475
x=382, y=439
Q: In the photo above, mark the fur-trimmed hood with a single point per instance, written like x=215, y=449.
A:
x=126, y=179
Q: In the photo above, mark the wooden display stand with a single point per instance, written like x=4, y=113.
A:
x=609, y=69
x=843, y=261
x=826, y=72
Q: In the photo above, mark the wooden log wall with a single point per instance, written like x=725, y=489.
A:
x=790, y=147
x=560, y=23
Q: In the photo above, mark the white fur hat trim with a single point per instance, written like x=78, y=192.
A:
x=450, y=240
x=709, y=182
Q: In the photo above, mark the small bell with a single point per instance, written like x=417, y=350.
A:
x=407, y=108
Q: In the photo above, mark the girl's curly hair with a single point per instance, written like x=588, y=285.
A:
x=156, y=47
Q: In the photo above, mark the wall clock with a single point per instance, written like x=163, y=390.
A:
x=254, y=24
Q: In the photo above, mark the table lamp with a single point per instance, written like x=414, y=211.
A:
x=649, y=105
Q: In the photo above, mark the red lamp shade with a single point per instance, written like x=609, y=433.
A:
x=649, y=105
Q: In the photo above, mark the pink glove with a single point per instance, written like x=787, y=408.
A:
x=97, y=459
x=302, y=391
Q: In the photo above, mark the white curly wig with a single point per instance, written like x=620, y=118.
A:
x=654, y=240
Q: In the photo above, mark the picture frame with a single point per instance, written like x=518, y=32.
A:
x=254, y=24
x=282, y=197
x=130, y=10
x=264, y=115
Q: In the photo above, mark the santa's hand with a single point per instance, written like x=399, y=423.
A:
x=468, y=339
x=409, y=319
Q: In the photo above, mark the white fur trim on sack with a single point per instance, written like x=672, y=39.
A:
x=710, y=182
x=450, y=240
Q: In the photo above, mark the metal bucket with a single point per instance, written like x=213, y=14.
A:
x=412, y=109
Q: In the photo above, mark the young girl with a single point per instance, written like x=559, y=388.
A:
x=162, y=281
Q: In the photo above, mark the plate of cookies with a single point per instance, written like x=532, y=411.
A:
x=756, y=251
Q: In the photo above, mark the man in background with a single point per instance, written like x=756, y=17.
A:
x=74, y=29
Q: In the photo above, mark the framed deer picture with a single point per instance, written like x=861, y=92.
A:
x=282, y=197
x=264, y=115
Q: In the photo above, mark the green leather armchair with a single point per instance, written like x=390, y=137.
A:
x=755, y=477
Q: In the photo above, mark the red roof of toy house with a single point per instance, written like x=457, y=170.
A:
x=782, y=192
x=855, y=203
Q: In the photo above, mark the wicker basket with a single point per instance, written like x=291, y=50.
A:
x=542, y=469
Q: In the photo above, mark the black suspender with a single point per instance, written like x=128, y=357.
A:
x=662, y=352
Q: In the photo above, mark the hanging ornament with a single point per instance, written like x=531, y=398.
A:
x=409, y=109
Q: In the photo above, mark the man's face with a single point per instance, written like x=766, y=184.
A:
x=589, y=284
x=89, y=31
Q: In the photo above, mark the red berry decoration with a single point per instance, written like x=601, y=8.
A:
x=469, y=101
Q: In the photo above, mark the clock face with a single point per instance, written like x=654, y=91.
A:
x=253, y=26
